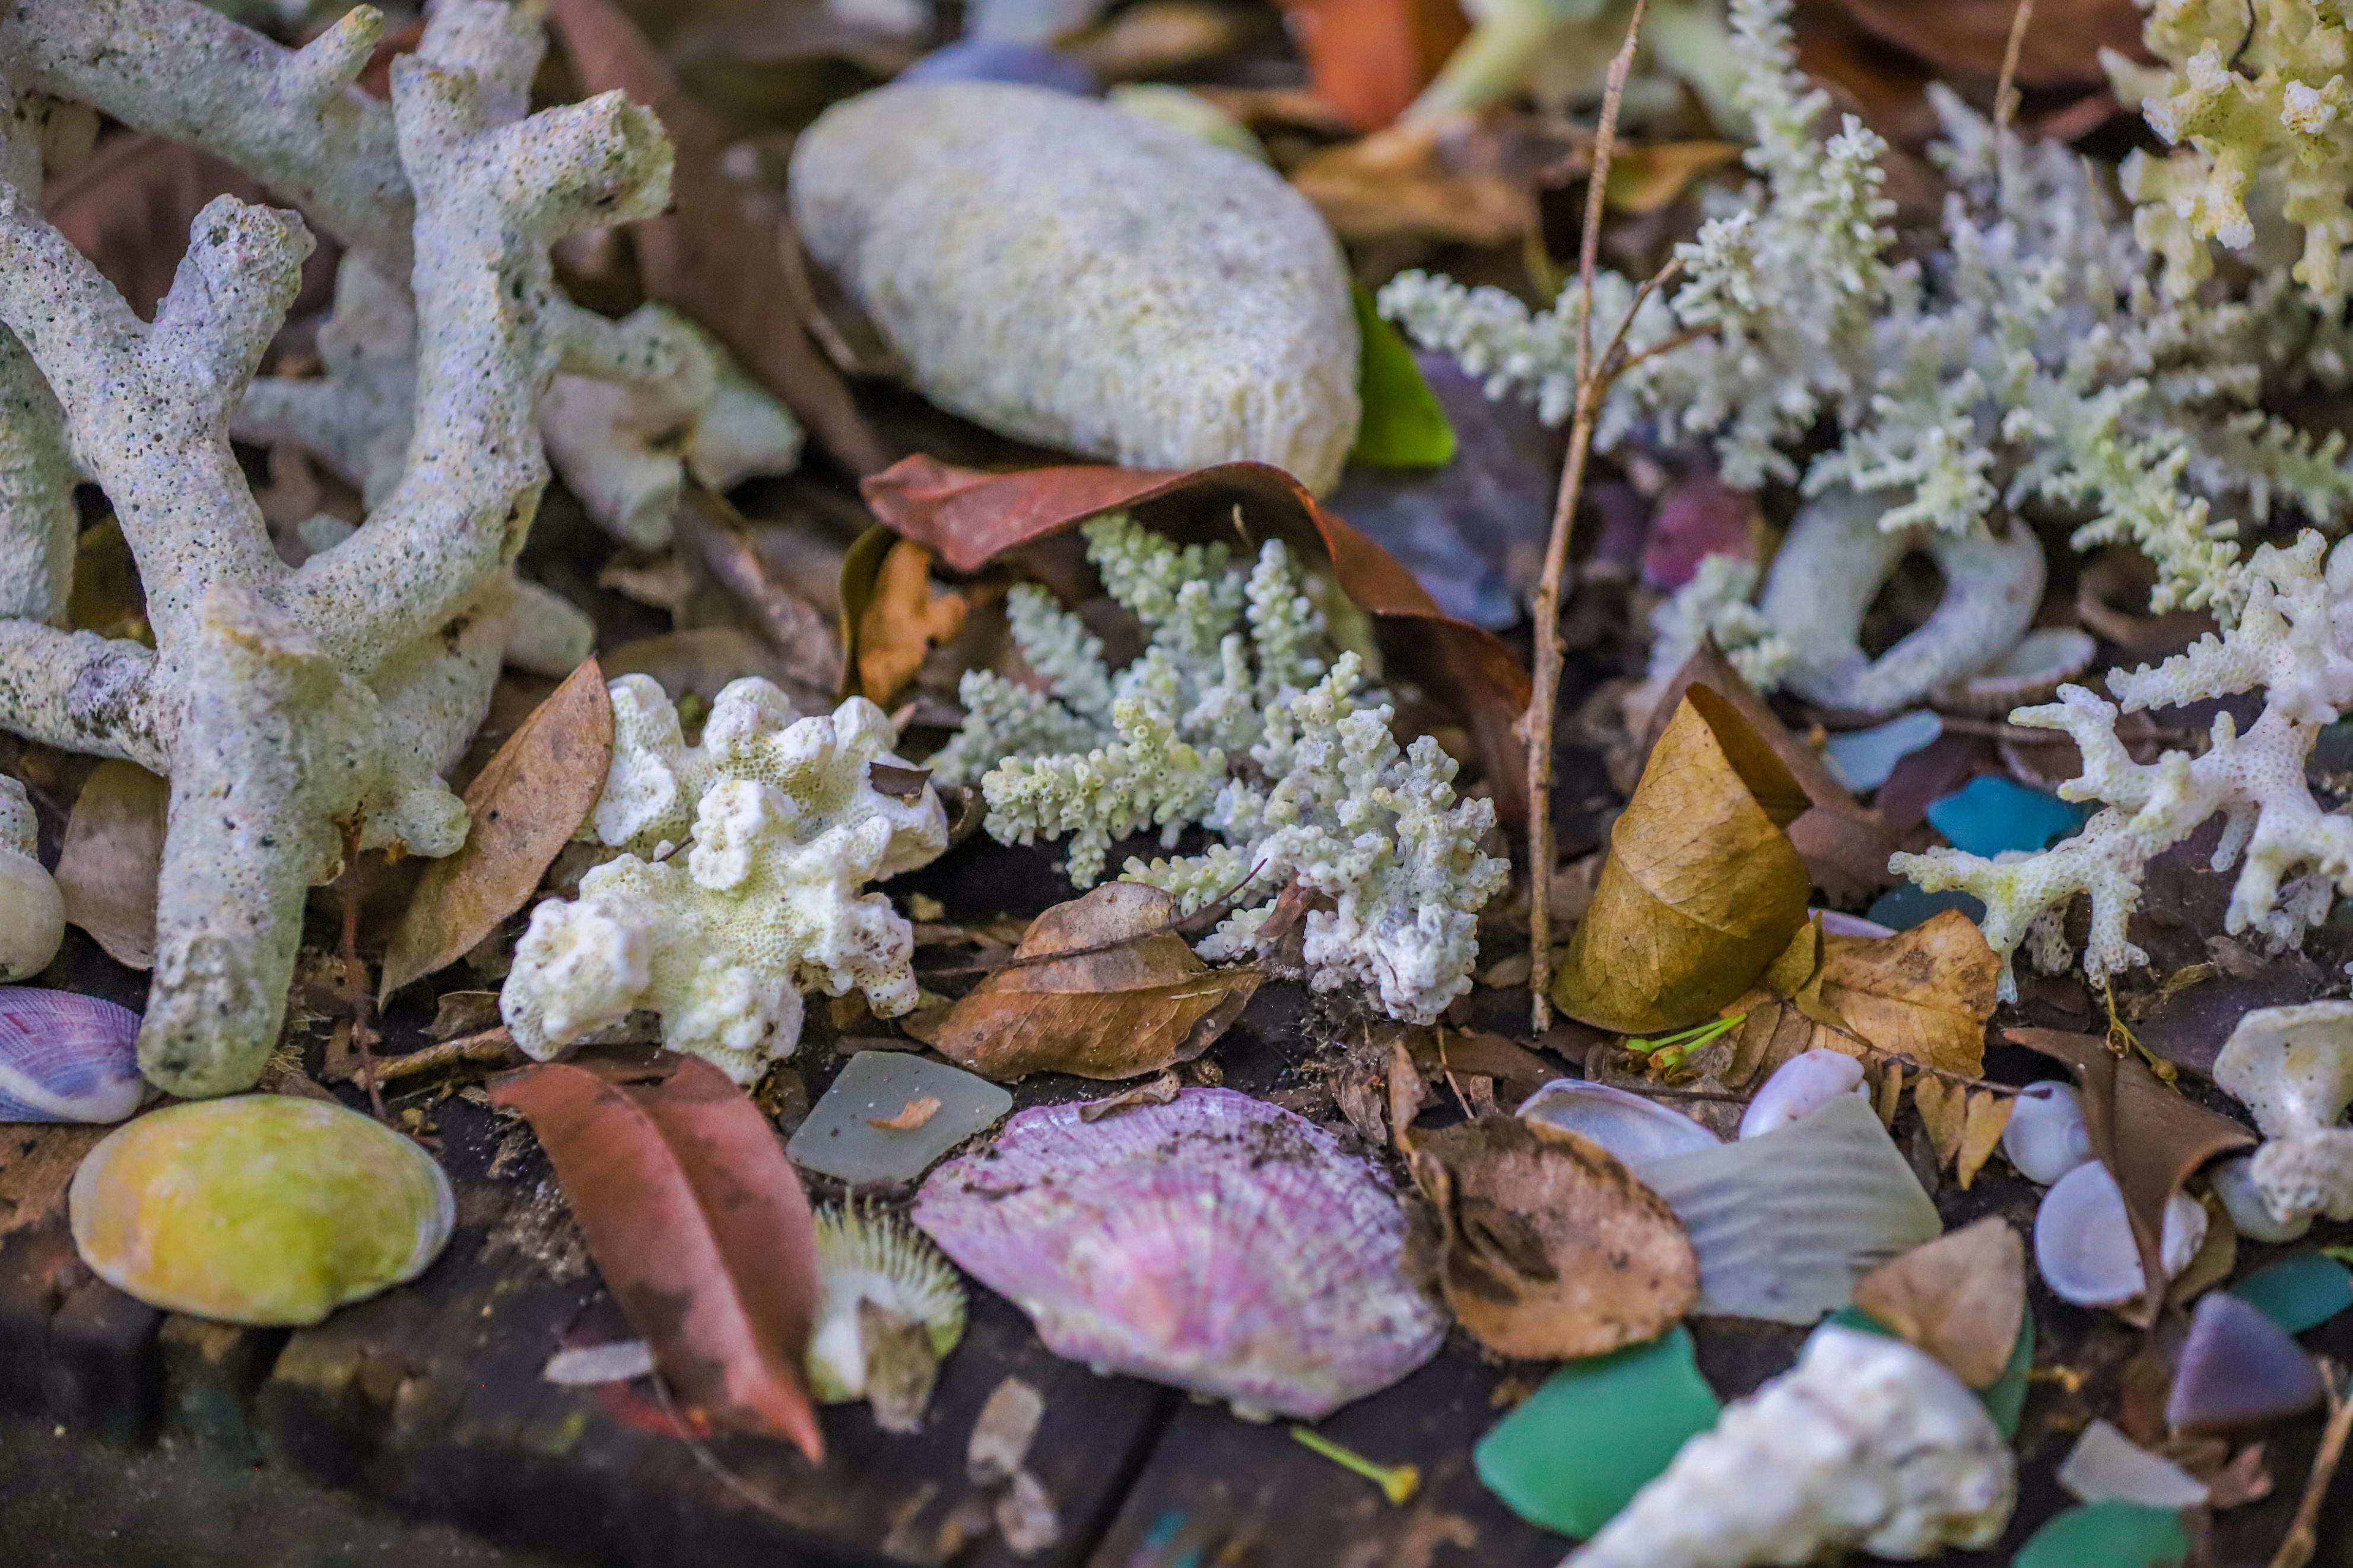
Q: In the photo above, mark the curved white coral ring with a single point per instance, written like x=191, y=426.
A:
x=1833, y=564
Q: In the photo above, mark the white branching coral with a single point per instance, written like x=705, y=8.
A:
x=1866, y=1443
x=299, y=712
x=2033, y=364
x=1715, y=604
x=2252, y=97
x=2293, y=641
x=782, y=825
x=1237, y=717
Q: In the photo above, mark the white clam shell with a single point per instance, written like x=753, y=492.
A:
x=1800, y=1087
x=2234, y=1181
x=2046, y=1137
x=1631, y=1126
x=2084, y=1243
x=2292, y=1067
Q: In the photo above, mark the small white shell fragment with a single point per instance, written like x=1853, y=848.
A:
x=2105, y=1466
x=2292, y=1067
x=1865, y=1443
x=616, y=1361
x=2046, y=1138
x=1799, y=1088
x=1077, y=276
x=2234, y=1181
x=1631, y=1126
x=2083, y=1244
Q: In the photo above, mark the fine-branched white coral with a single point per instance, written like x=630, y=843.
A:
x=2294, y=642
x=2034, y=365
x=780, y=826
x=2252, y=97
x=298, y=711
x=1237, y=717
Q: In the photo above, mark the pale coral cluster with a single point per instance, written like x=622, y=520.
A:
x=2251, y=96
x=739, y=884
x=2036, y=362
x=2293, y=641
x=1238, y=665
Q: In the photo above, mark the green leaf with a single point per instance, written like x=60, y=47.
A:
x=1404, y=425
x=1596, y=1433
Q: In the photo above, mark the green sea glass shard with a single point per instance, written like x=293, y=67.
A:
x=1596, y=1433
x=2108, y=1535
x=2298, y=1293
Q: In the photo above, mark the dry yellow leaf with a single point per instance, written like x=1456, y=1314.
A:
x=1981, y=1131
x=1943, y=1109
x=1924, y=994
x=905, y=616
x=1701, y=889
x=1890, y=1093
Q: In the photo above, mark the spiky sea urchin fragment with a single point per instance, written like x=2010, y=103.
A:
x=889, y=1308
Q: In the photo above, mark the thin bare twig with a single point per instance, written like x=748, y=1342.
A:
x=2005, y=92
x=710, y=1461
x=1536, y=723
x=2303, y=1538
x=493, y=1045
x=356, y=986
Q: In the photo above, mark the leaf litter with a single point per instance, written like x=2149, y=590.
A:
x=1711, y=944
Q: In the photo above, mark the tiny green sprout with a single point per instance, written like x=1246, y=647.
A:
x=1397, y=1482
x=1673, y=1048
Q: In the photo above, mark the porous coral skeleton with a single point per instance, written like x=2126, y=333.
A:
x=297, y=711
x=2035, y=364
x=2251, y=93
x=785, y=825
x=2293, y=641
x=1326, y=800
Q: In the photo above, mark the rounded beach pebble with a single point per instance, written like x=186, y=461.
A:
x=1079, y=277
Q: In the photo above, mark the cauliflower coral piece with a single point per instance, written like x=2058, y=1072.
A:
x=780, y=824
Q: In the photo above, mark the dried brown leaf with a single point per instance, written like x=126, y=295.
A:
x=706, y=255
x=1981, y=1132
x=1412, y=182
x=1845, y=843
x=1370, y=59
x=1552, y=1249
x=2148, y=1136
x=1944, y=1112
x=1960, y=1298
x=524, y=806
x=916, y=1112
x=697, y=662
x=1923, y=993
x=1968, y=38
x=902, y=621
x=112, y=854
x=1701, y=889
x=696, y=1220
x=1643, y=179
x=1131, y=999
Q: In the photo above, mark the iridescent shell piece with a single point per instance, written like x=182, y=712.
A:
x=1217, y=1242
x=261, y=1208
x=66, y=1058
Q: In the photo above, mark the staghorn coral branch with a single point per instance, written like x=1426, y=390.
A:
x=489, y=203
x=82, y=693
x=148, y=407
x=290, y=117
x=37, y=521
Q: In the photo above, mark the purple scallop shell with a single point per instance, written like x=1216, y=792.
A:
x=1217, y=1242
x=66, y=1058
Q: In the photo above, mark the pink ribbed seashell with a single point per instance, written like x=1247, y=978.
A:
x=1217, y=1242
x=65, y=1056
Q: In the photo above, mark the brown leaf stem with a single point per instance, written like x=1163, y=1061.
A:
x=493, y=1045
x=2303, y=1538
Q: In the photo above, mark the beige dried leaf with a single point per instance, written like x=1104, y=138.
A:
x=112, y=855
x=1960, y=1298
